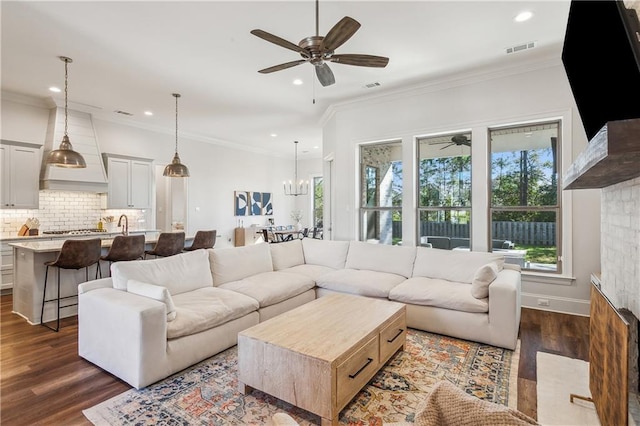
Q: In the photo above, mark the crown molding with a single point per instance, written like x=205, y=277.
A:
x=487, y=73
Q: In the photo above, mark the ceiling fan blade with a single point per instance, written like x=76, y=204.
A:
x=341, y=32
x=279, y=41
x=360, y=60
x=324, y=74
x=447, y=146
x=282, y=66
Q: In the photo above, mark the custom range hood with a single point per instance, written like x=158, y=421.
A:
x=83, y=138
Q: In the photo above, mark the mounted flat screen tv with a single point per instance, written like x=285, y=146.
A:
x=601, y=56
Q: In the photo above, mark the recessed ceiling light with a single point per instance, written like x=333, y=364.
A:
x=273, y=135
x=316, y=147
x=55, y=89
x=149, y=113
x=523, y=16
x=297, y=82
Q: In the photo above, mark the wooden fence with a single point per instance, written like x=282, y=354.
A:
x=527, y=233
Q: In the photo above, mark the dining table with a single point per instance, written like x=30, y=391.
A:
x=287, y=234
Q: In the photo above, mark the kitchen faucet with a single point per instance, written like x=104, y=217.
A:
x=125, y=229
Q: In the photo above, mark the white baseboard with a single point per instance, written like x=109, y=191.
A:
x=563, y=305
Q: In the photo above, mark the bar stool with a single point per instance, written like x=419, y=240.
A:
x=125, y=248
x=203, y=240
x=74, y=254
x=168, y=244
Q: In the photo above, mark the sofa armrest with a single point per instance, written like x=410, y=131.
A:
x=124, y=333
x=94, y=285
x=504, y=306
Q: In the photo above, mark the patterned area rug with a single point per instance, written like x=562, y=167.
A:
x=206, y=394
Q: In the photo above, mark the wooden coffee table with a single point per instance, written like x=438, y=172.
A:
x=320, y=355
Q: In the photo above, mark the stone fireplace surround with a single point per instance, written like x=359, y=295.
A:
x=612, y=162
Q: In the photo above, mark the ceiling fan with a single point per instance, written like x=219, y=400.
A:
x=458, y=140
x=319, y=50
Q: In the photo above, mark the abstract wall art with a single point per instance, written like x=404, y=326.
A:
x=250, y=203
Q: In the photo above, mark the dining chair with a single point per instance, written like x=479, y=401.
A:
x=203, y=240
x=168, y=244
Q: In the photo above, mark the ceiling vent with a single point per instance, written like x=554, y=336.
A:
x=123, y=112
x=521, y=47
x=371, y=85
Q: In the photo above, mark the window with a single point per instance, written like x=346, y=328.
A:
x=444, y=191
x=318, y=205
x=381, y=192
x=525, y=203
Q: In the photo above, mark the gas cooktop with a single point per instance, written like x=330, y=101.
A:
x=75, y=232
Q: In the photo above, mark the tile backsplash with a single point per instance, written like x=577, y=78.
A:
x=64, y=210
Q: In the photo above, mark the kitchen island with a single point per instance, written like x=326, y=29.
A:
x=29, y=269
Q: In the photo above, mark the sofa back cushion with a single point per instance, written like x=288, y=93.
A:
x=286, y=255
x=332, y=254
x=452, y=265
x=380, y=257
x=180, y=273
x=232, y=264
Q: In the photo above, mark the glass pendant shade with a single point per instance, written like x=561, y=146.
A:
x=176, y=168
x=65, y=156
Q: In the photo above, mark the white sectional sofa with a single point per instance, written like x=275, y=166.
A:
x=156, y=317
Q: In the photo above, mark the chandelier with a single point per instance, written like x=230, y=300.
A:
x=296, y=187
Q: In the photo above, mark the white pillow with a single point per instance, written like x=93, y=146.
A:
x=180, y=273
x=233, y=264
x=330, y=253
x=287, y=255
x=156, y=292
x=483, y=277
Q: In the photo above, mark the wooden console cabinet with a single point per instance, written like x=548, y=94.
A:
x=246, y=236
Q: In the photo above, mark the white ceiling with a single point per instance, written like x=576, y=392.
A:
x=131, y=56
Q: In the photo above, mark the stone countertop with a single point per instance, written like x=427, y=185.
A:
x=15, y=238
x=56, y=245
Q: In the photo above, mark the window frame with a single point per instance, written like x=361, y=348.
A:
x=419, y=208
x=363, y=208
x=558, y=208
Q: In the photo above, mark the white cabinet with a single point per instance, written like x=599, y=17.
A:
x=20, y=175
x=130, y=182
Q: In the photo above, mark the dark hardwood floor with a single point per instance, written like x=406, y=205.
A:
x=44, y=381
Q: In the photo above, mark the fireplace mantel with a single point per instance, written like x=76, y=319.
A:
x=612, y=156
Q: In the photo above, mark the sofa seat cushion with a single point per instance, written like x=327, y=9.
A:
x=269, y=288
x=438, y=293
x=311, y=271
x=360, y=282
x=206, y=308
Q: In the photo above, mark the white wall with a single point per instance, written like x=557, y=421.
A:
x=539, y=91
x=216, y=171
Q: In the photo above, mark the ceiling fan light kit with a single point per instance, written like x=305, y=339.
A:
x=176, y=168
x=65, y=156
x=318, y=50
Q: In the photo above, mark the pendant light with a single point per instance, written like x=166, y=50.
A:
x=65, y=156
x=176, y=168
x=296, y=188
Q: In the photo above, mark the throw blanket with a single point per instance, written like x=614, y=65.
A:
x=449, y=405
